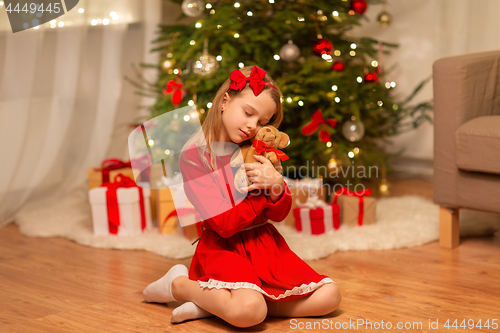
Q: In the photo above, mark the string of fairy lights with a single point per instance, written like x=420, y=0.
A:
x=353, y=129
x=194, y=8
x=113, y=18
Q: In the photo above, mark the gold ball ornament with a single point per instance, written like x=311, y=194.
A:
x=384, y=188
x=384, y=19
x=206, y=64
x=167, y=64
x=334, y=165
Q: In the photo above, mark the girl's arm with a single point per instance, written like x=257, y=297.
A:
x=212, y=197
x=278, y=210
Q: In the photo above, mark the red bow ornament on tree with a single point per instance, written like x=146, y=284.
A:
x=316, y=121
x=255, y=80
x=177, y=88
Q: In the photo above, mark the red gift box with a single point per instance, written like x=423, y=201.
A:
x=316, y=221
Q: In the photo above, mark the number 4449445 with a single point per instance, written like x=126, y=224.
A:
x=471, y=324
x=33, y=7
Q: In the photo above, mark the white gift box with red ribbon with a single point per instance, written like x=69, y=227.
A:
x=130, y=222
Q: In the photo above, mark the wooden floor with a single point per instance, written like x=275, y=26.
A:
x=55, y=285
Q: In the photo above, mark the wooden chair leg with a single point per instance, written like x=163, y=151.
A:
x=449, y=233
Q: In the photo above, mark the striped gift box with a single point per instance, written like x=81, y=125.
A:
x=315, y=221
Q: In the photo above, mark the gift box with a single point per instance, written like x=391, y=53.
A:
x=159, y=194
x=172, y=202
x=315, y=221
x=355, y=208
x=165, y=206
x=301, y=190
x=108, y=171
x=120, y=208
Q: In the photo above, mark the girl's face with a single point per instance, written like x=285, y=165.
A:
x=244, y=114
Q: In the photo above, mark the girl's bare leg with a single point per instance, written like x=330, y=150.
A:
x=240, y=307
x=322, y=301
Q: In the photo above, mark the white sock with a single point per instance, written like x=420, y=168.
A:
x=188, y=311
x=160, y=291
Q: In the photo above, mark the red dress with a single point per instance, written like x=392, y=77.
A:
x=231, y=258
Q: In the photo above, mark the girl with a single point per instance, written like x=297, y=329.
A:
x=242, y=270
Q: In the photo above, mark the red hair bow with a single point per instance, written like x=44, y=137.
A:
x=317, y=120
x=256, y=80
x=177, y=95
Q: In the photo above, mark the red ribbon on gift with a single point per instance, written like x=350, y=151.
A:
x=360, y=194
x=112, y=164
x=317, y=120
x=112, y=201
x=177, y=88
x=260, y=148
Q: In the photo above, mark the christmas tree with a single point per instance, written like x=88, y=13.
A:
x=338, y=103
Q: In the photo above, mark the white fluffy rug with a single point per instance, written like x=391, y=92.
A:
x=401, y=222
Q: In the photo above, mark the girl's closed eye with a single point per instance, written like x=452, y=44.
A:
x=260, y=123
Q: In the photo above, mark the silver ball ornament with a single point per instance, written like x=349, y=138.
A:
x=289, y=52
x=193, y=8
x=353, y=130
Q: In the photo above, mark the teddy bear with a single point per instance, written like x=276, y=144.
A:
x=265, y=143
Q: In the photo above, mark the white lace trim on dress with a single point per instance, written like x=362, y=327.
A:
x=301, y=290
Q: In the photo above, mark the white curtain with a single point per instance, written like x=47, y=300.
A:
x=64, y=104
x=427, y=30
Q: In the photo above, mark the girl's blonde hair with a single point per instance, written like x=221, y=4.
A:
x=211, y=127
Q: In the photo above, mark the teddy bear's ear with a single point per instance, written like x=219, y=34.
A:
x=285, y=140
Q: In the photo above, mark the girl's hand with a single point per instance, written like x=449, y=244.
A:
x=264, y=176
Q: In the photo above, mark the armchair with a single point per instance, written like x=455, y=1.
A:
x=466, y=138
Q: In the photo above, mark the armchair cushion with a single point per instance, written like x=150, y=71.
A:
x=478, y=145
